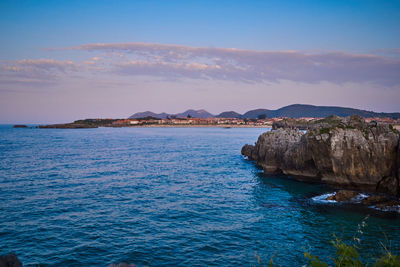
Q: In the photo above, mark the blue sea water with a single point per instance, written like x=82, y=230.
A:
x=164, y=196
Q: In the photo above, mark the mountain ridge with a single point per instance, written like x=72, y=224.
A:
x=292, y=111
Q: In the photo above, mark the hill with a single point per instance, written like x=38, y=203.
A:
x=201, y=113
x=149, y=114
x=229, y=114
x=299, y=110
x=291, y=111
x=255, y=113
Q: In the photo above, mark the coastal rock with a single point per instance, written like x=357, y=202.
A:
x=389, y=205
x=343, y=195
x=9, y=260
x=67, y=126
x=379, y=202
x=81, y=124
x=374, y=199
x=291, y=123
x=356, y=155
x=248, y=150
x=276, y=152
x=345, y=152
x=398, y=165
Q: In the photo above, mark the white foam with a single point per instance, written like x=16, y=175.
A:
x=392, y=209
x=359, y=197
x=323, y=198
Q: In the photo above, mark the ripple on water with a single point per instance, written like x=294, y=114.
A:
x=162, y=196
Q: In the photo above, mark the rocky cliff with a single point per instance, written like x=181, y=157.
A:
x=345, y=152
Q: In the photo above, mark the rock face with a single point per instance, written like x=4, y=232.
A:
x=346, y=152
x=291, y=123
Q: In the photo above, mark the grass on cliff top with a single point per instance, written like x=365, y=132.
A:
x=334, y=120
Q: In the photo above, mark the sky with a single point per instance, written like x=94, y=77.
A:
x=66, y=60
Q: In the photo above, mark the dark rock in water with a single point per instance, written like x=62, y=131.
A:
x=9, y=260
x=81, y=124
x=344, y=152
x=247, y=150
x=343, y=195
x=375, y=199
x=380, y=202
x=67, y=126
x=389, y=205
x=20, y=126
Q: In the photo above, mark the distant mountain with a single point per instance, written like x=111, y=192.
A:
x=299, y=110
x=149, y=114
x=291, y=111
x=201, y=113
x=229, y=114
x=253, y=114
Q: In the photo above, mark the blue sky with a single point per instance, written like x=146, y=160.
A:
x=150, y=49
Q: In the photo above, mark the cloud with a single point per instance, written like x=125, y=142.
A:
x=225, y=64
x=247, y=65
x=34, y=71
x=46, y=64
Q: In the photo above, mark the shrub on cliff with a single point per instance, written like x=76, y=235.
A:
x=348, y=256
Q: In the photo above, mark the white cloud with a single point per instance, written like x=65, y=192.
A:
x=248, y=65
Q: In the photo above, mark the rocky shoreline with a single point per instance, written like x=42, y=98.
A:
x=346, y=153
x=380, y=202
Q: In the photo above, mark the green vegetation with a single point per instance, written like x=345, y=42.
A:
x=148, y=118
x=324, y=130
x=95, y=122
x=347, y=254
x=262, y=116
x=315, y=261
x=388, y=260
x=330, y=120
x=393, y=129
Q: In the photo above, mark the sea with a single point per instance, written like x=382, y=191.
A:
x=167, y=197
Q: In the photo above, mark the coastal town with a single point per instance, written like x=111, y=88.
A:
x=225, y=121
x=194, y=121
x=301, y=123
x=297, y=115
